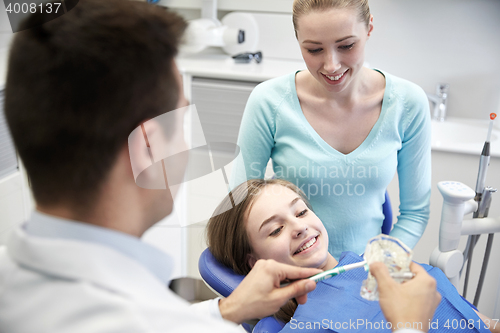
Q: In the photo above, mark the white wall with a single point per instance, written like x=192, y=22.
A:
x=452, y=41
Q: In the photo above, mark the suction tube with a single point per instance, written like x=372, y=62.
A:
x=482, y=211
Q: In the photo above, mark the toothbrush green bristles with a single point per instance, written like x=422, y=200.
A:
x=337, y=270
x=333, y=272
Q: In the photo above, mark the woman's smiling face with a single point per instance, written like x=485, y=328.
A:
x=332, y=43
x=280, y=226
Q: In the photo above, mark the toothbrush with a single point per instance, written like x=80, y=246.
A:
x=337, y=270
x=342, y=269
x=332, y=272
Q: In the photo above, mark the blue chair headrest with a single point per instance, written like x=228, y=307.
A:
x=221, y=278
x=224, y=280
x=387, y=210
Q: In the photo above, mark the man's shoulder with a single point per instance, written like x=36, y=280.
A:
x=56, y=304
x=61, y=305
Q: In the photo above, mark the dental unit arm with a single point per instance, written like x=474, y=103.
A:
x=458, y=201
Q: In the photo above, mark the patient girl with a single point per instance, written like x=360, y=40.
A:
x=274, y=221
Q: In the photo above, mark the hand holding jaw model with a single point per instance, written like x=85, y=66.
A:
x=394, y=254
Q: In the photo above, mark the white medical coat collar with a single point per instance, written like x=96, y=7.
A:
x=46, y=232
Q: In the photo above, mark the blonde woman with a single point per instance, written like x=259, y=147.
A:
x=340, y=131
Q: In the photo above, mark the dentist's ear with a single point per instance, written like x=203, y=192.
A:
x=370, y=26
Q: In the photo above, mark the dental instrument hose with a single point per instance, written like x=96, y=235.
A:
x=483, y=197
x=486, y=202
x=484, y=162
x=487, y=253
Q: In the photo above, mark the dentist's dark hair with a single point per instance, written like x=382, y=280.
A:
x=302, y=7
x=79, y=84
x=226, y=233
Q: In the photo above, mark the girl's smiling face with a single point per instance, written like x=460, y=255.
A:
x=280, y=226
x=332, y=43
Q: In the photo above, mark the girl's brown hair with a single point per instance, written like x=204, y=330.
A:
x=226, y=231
x=302, y=7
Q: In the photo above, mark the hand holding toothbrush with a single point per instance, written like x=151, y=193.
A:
x=260, y=295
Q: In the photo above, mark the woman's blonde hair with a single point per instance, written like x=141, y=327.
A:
x=302, y=7
x=226, y=232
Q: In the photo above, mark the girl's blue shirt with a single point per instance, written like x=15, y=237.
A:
x=336, y=305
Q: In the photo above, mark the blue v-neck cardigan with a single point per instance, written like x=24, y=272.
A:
x=345, y=191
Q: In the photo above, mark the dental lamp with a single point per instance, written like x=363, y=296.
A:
x=208, y=31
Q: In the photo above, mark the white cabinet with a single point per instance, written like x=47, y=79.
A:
x=220, y=104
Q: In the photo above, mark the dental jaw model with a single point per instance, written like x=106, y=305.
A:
x=394, y=254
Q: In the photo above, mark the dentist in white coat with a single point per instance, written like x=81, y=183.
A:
x=76, y=88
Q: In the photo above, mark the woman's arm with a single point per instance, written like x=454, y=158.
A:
x=414, y=169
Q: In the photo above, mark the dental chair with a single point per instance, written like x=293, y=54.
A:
x=223, y=280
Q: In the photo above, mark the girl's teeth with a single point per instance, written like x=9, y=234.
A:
x=307, y=245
